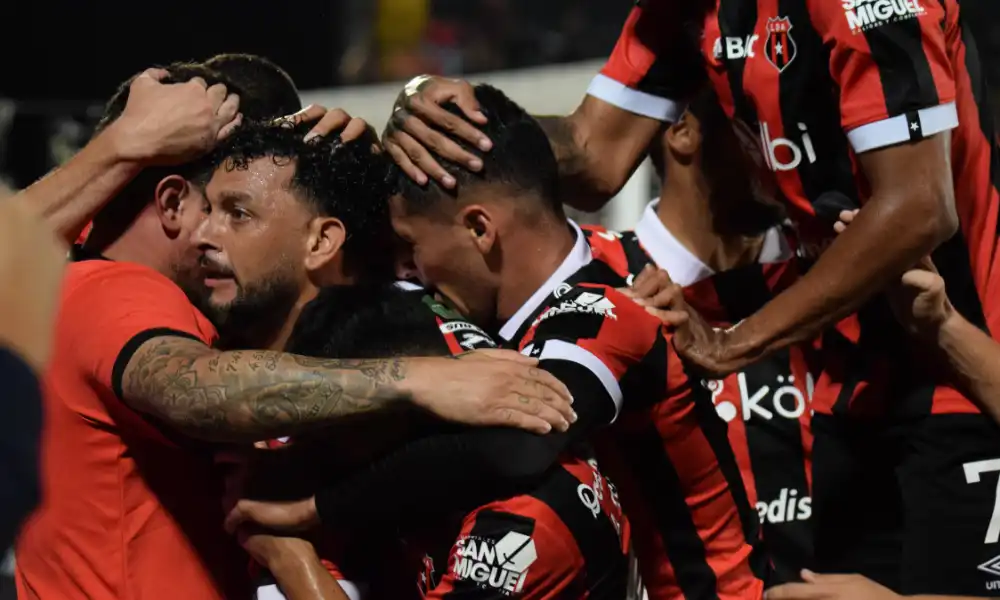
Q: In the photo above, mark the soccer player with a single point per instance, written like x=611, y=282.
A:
x=716, y=232
x=870, y=104
x=565, y=537
x=500, y=249
x=288, y=217
x=134, y=381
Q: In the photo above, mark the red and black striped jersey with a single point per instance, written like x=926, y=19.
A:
x=815, y=84
x=566, y=538
x=692, y=526
x=767, y=405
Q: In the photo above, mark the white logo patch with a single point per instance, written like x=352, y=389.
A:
x=587, y=303
x=863, y=15
x=502, y=565
x=468, y=335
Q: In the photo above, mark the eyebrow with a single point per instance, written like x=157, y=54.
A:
x=235, y=196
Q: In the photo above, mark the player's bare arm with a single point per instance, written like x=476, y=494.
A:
x=920, y=302
x=295, y=566
x=911, y=212
x=597, y=147
x=252, y=395
x=841, y=587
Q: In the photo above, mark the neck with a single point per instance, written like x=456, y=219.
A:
x=534, y=253
x=685, y=209
x=335, y=275
x=137, y=245
x=279, y=339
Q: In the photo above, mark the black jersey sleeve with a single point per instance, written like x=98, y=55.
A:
x=444, y=474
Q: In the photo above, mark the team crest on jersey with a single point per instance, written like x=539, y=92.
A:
x=779, y=47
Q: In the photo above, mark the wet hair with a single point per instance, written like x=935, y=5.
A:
x=351, y=181
x=367, y=322
x=267, y=91
x=521, y=158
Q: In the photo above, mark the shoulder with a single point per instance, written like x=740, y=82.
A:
x=107, y=297
x=103, y=278
x=596, y=302
x=460, y=335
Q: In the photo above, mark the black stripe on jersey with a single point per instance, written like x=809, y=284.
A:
x=605, y=564
x=635, y=256
x=742, y=291
x=774, y=444
x=493, y=526
x=777, y=460
x=717, y=434
x=657, y=479
x=736, y=19
x=980, y=91
x=809, y=97
x=952, y=261
x=898, y=51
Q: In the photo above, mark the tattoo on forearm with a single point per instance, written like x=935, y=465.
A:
x=255, y=394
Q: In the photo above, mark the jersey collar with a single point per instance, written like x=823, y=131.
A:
x=577, y=258
x=684, y=267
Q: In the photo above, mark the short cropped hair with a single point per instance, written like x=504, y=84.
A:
x=521, y=157
x=350, y=181
x=267, y=90
x=367, y=322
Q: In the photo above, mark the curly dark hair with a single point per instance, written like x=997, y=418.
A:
x=521, y=158
x=351, y=181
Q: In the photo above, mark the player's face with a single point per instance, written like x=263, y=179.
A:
x=447, y=261
x=251, y=243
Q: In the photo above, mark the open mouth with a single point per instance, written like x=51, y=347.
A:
x=213, y=274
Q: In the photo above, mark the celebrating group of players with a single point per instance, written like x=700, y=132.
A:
x=280, y=338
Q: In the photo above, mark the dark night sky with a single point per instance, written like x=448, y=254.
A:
x=81, y=49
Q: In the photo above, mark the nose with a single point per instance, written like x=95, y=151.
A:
x=205, y=236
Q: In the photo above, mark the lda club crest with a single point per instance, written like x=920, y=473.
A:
x=779, y=47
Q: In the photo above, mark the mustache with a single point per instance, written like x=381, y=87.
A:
x=211, y=266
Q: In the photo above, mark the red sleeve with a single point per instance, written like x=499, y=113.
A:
x=655, y=65
x=114, y=309
x=893, y=66
x=597, y=328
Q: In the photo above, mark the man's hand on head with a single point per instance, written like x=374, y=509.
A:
x=328, y=121
x=173, y=123
x=419, y=126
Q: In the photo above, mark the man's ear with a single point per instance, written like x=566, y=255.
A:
x=684, y=137
x=170, y=193
x=481, y=225
x=325, y=238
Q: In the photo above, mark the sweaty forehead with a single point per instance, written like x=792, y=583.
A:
x=264, y=181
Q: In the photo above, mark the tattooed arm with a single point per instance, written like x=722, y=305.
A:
x=244, y=396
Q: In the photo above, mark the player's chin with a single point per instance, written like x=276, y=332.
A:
x=223, y=291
